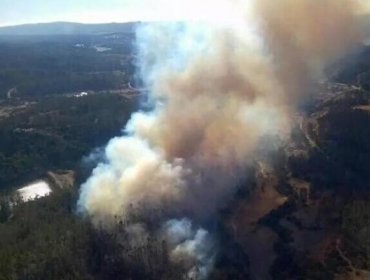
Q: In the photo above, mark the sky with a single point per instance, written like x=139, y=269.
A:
x=13, y=12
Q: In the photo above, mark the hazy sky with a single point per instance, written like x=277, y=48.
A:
x=89, y=11
x=92, y=11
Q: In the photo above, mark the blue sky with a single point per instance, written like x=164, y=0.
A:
x=91, y=11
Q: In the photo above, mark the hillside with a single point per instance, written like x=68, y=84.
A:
x=67, y=28
x=58, y=64
x=302, y=214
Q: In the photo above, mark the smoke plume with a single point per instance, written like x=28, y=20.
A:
x=216, y=89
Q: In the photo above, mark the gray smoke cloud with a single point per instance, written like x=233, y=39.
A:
x=216, y=90
x=193, y=249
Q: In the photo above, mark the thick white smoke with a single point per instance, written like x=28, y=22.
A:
x=216, y=88
x=191, y=248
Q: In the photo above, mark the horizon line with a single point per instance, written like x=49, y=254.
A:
x=74, y=22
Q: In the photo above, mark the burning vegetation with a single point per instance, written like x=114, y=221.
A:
x=216, y=90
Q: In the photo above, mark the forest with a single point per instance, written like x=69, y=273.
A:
x=43, y=65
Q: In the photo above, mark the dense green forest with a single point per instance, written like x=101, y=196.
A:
x=46, y=126
x=56, y=132
x=44, y=65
